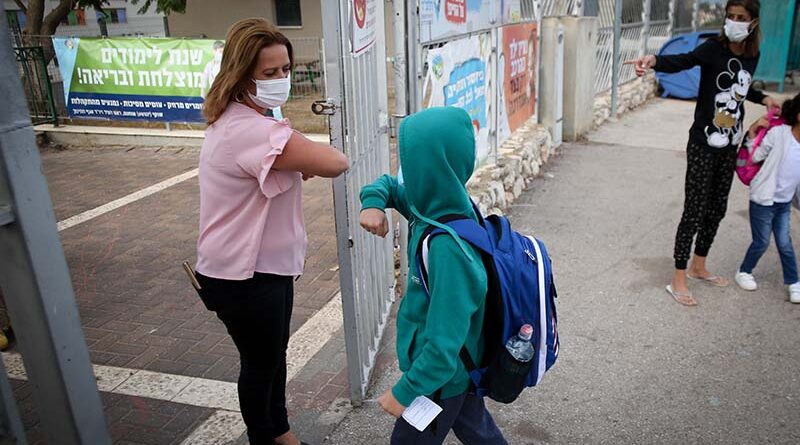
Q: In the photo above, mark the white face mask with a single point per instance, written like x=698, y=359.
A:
x=218, y=57
x=737, y=31
x=271, y=93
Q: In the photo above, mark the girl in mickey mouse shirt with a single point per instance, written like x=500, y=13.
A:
x=727, y=64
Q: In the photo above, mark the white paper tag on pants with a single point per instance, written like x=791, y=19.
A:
x=421, y=412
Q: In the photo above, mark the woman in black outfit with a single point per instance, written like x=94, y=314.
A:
x=727, y=64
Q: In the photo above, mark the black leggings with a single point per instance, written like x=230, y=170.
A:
x=709, y=174
x=256, y=313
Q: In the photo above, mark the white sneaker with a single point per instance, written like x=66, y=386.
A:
x=747, y=282
x=794, y=293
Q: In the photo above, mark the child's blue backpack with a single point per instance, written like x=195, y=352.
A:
x=521, y=291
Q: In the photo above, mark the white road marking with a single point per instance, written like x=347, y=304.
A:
x=222, y=427
x=303, y=345
x=125, y=200
x=225, y=424
x=313, y=335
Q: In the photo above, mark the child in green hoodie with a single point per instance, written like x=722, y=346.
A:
x=437, y=156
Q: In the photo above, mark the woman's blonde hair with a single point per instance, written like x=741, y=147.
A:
x=245, y=40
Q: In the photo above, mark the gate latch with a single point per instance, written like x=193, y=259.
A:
x=325, y=107
x=394, y=124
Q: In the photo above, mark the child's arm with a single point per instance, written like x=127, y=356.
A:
x=766, y=146
x=762, y=122
x=457, y=290
x=385, y=193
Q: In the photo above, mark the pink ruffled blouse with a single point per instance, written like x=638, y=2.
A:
x=251, y=215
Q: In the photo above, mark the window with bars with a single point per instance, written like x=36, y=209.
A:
x=287, y=13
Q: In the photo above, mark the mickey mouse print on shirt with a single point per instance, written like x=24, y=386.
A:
x=725, y=82
x=733, y=85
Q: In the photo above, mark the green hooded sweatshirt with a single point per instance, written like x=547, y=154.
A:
x=437, y=156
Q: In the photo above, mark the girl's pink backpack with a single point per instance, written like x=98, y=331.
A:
x=745, y=168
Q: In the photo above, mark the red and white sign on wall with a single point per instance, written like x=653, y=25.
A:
x=456, y=11
x=517, y=62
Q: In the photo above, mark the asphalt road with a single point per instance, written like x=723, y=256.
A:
x=635, y=367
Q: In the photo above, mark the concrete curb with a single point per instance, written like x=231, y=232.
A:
x=96, y=136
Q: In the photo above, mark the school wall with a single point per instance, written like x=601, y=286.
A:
x=212, y=19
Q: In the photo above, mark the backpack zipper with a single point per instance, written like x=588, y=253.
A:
x=528, y=250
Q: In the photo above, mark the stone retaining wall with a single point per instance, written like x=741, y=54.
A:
x=494, y=187
x=631, y=95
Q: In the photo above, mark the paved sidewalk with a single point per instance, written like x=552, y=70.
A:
x=136, y=305
x=139, y=313
x=132, y=420
x=635, y=367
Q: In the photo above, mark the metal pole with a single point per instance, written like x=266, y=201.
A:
x=166, y=26
x=36, y=282
x=646, y=5
x=695, y=15
x=671, y=16
x=401, y=100
x=414, y=58
x=615, y=62
x=101, y=22
x=414, y=101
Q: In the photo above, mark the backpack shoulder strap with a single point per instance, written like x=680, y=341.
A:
x=541, y=348
x=467, y=229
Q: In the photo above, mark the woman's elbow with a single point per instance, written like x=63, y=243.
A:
x=342, y=164
x=337, y=166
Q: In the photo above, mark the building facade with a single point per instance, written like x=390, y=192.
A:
x=121, y=19
x=209, y=19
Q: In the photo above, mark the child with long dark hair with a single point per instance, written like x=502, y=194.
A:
x=727, y=64
x=771, y=193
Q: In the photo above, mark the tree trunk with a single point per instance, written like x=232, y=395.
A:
x=33, y=19
x=50, y=24
x=39, y=28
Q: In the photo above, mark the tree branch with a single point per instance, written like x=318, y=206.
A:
x=56, y=16
x=22, y=6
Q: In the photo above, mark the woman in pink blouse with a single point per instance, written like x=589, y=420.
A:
x=252, y=239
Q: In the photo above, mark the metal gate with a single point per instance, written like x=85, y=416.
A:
x=359, y=126
x=36, y=82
